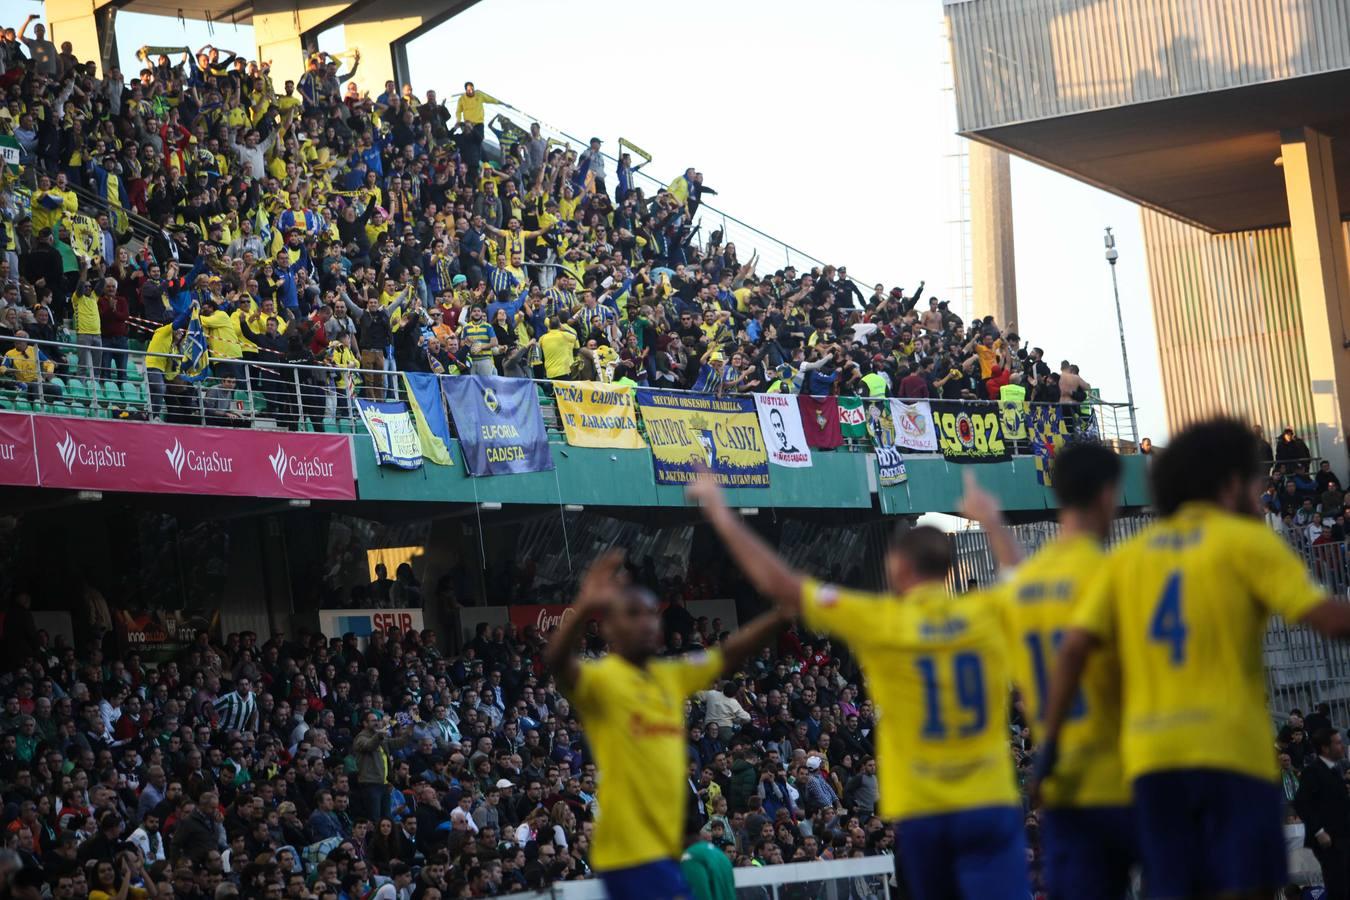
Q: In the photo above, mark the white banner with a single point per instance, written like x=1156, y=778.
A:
x=393, y=433
x=781, y=424
x=914, y=428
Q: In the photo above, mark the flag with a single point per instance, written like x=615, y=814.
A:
x=1048, y=432
x=428, y=409
x=198, y=360
x=852, y=418
x=820, y=421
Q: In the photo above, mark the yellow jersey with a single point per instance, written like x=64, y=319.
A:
x=1186, y=603
x=1039, y=602
x=634, y=720
x=559, y=347
x=937, y=667
x=87, y=317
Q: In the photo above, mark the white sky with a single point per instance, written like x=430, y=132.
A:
x=826, y=126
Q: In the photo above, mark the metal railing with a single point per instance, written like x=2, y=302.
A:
x=773, y=252
x=865, y=878
x=272, y=393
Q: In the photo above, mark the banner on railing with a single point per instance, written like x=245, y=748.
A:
x=688, y=430
x=393, y=433
x=781, y=425
x=914, y=429
x=1014, y=414
x=18, y=463
x=500, y=428
x=970, y=432
x=881, y=417
x=820, y=422
x=122, y=456
x=852, y=418
x=595, y=414
x=428, y=410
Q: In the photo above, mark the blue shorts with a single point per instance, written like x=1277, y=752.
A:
x=661, y=880
x=975, y=854
x=1206, y=831
x=1087, y=853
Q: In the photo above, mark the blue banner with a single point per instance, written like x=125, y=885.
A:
x=689, y=430
x=428, y=409
x=500, y=428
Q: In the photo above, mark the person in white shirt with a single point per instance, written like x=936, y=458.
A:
x=398, y=887
x=721, y=707
x=148, y=839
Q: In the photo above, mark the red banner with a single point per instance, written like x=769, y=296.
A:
x=18, y=465
x=820, y=421
x=129, y=456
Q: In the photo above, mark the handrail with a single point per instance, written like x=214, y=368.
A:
x=268, y=379
x=788, y=250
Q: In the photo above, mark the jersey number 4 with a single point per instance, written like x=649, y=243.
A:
x=968, y=681
x=1168, y=625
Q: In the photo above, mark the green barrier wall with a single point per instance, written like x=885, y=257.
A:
x=837, y=480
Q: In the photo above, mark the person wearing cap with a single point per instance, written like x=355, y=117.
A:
x=591, y=165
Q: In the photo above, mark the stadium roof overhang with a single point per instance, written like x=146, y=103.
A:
x=1209, y=159
x=238, y=12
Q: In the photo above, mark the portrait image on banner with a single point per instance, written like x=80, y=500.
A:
x=781, y=426
x=914, y=429
x=393, y=433
x=820, y=421
x=881, y=429
x=691, y=430
x=970, y=432
x=595, y=414
x=500, y=429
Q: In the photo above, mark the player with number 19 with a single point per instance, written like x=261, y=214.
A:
x=1184, y=605
x=937, y=667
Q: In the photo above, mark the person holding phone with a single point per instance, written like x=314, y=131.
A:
x=370, y=747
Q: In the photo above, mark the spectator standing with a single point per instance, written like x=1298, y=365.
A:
x=370, y=748
x=1324, y=806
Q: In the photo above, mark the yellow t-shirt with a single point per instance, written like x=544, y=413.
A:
x=87, y=318
x=937, y=666
x=634, y=720
x=559, y=348
x=1186, y=603
x=1039, y=602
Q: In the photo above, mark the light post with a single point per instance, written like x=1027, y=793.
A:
x=1111, y=256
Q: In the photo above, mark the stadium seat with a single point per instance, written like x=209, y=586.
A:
x=109, y=392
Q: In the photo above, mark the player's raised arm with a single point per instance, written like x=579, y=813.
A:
x=767, y=571
x=748, y=640
x=1331, y=617
x=599, y=587
x=982, y=507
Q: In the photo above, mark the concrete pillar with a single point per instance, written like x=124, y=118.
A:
x=991, y=234
x=88, y=25
x=382, y=33
x=1323, y=283
x=286, y=32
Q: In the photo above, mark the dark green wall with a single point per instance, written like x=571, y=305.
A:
x=837, y=480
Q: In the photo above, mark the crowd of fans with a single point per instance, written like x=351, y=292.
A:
x=310, y=223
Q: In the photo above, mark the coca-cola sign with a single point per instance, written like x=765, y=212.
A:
x=543, y=616
x=126, y=456
x=18, y=461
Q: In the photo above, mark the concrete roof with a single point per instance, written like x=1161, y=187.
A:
x=1206, y=158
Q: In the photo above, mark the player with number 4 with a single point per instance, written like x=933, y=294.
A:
x=1184, y=606
x=937, y=666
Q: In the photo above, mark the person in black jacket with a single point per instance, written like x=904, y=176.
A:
x=1324, y=806
x=277, y=384
x=197, y=834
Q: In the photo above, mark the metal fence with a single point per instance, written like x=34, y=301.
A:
x=1302, y=667
x=866, y=878
x=273, y=394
